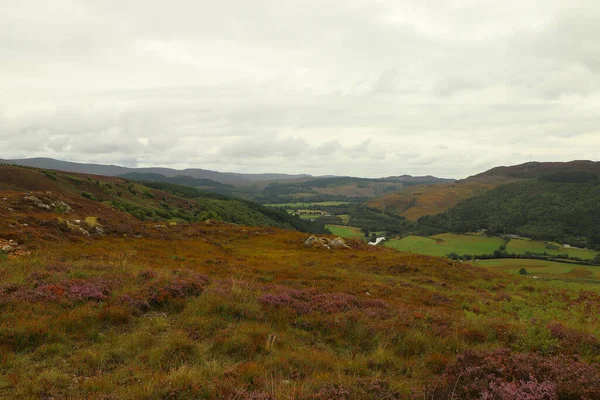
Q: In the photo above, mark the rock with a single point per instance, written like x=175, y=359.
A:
x=38, y=202
x=84, y=232
x=8, y=249
x=338, y=243
x=310, y=241
x=325, y=243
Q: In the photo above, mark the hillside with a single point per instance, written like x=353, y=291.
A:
x=536, y=169
x=344, y=188
x=558, y=207
x=154, y=310
x=113, y=170
x=54, y=195
x=416, y=201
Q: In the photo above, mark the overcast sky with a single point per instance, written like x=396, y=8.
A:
x=346, y=87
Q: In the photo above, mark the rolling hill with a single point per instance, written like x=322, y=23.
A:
x=558, y=207
x=120, y=205
x=536, y=169
x=417, y=201
x=114, y=170
x=99, y=302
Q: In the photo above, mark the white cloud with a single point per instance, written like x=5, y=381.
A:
x=370, y=88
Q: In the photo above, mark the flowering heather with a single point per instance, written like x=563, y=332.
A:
x=89, y=290
x=96, y=289
x=572, y=339
x=309, y=301
x=160, y=292
x=502, y=375
x=147, y=275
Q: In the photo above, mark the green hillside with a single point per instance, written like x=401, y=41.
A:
x=149, y=201
x=558, y=208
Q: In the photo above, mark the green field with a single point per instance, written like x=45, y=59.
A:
x=543, y=268
x=441, y=245
x=520, y=246
x=345, y=231
x=304, y=205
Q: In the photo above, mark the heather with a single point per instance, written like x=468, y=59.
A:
x=98, y=305
x=251, y=313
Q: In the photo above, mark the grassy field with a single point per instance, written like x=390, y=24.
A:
x=543, y=268
x=520, y=246
x=304, y=205
x=345, y=231
x=441, y=245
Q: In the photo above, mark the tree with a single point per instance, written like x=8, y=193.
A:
x=523, y=271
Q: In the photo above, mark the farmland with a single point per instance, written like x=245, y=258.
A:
x=521, y=246
x=344, y=231
x=543, y=268
x=441, y=245
x=296, y=205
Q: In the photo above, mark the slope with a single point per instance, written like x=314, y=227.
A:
x=114, y=170
x=547, y=209
x=416, y=201
x=219, y=311
x=55, y=195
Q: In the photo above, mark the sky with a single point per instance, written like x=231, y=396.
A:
x=344, y=87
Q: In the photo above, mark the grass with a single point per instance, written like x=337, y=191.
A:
x=441, y=245
x=216, y=310
x=304, y=205
x=520, y=246
x=543, y=268
x=345, y=231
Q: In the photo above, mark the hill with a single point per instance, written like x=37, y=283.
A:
x=416, y=201
x=557, y=207
x=113, y=170
x=536, y=169
x=215, y=310
x=342, y=188
x=53, y=193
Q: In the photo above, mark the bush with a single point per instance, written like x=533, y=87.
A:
x=502, y=375
x=89, y=196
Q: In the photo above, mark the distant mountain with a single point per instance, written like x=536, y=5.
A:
x=536, y=169
x=341, y=188
x=114, y=170
x=419, y=180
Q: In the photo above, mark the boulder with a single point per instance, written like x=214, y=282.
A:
x=8, y=249
x=325, y=243
x=338, y=243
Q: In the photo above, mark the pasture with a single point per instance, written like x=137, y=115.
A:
x=305, y=205
x=543, y=268
x=345, y=231
x=520, y=246
x=441, y=245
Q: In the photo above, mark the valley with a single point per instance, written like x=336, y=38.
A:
x=150, y=289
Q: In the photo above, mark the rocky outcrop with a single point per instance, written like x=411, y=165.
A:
x=11, y=248
x=326, y=243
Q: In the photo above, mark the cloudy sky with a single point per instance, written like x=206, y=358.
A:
x=347, y=87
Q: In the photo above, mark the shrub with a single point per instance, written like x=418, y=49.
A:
x=311, y=301
x=89, y=196
x=501, y=374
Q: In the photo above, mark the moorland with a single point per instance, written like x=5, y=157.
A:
x=116, y=288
